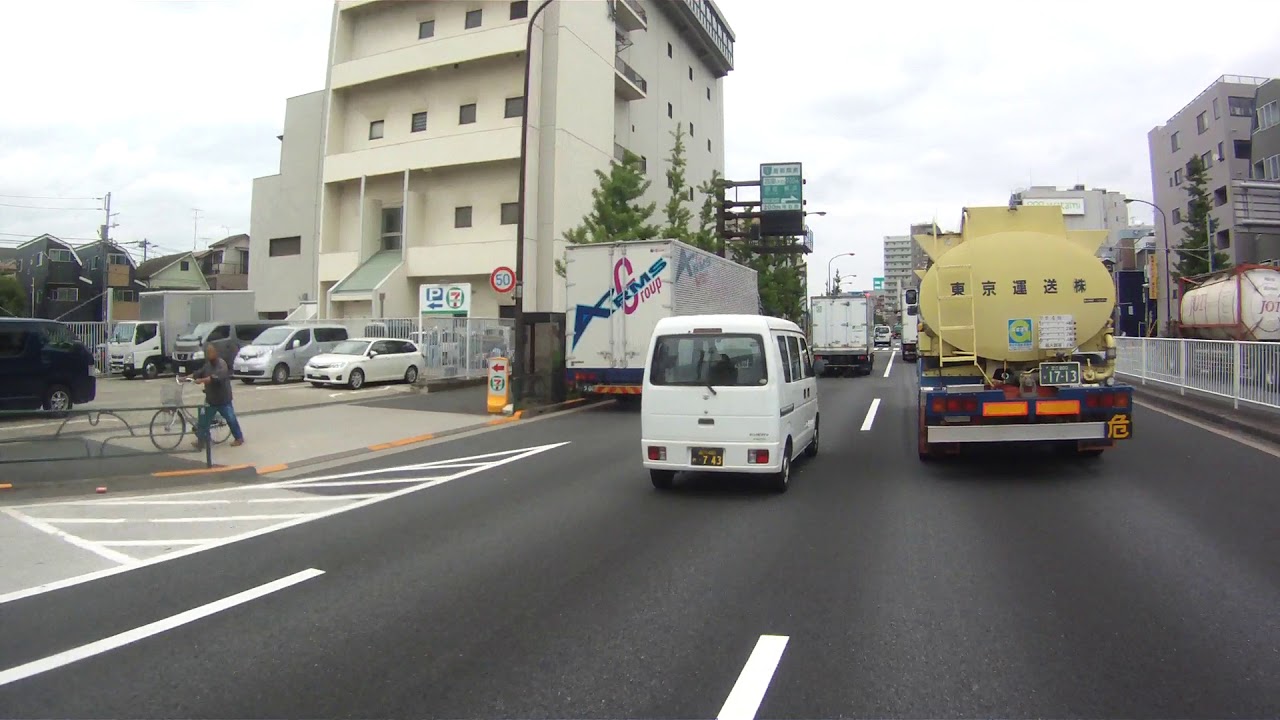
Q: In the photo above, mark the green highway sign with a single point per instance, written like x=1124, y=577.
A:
x=781, y=187
x=877, y=283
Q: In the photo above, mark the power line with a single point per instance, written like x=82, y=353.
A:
x=45, y=207
x=45, y=197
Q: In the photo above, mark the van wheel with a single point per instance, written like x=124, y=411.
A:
x=782, y=479
x=150, y=370
x=57, y=398
x=280, y=375
x=812, y=450
x=662, y=479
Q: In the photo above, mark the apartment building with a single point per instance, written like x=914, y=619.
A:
x=286, y=208
x=421, y=141
x=1085, y=209
x=1217, y=127
x=899, y=269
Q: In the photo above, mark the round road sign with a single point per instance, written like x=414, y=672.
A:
x=502, y=279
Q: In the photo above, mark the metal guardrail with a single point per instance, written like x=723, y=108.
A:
x=96, y=448
x=1243, y=372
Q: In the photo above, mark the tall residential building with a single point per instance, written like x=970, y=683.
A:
x=422, y=136
x=1215, y=126
x=899, y=269
x=1256, y=202
x=1085, y=209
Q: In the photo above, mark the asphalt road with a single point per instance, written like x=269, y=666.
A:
x=1142, y=584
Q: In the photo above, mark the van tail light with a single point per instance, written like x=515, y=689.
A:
x=758, y=457
x=657, y=452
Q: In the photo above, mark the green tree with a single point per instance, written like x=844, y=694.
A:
x=1193, y=252
x=13, y=298
x=705, y=236
x=780, y=276
x=677, y=212
x=616, y=213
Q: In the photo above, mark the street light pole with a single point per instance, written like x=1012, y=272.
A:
x=518, y=365
x=1168, y=290
x=831, y=286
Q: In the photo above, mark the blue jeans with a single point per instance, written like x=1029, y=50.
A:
x=206, y=419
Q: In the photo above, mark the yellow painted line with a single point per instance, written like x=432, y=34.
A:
x=273, y=468
x=411, y=440
x=200, y=471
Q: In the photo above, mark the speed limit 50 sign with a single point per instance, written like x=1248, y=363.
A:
x=502, y=279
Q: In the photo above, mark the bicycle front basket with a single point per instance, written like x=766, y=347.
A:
x=171, y=394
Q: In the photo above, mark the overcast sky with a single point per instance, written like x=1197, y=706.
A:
x=900, y=112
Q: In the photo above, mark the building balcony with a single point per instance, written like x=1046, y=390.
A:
x=620, y=154
x=1256, y=203
x=466, y=148
x=630, y=16
x=435, y=53
x=628, y=83
x=712, y=39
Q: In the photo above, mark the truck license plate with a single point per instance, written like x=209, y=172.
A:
x=707, y=457
x=1060, y=373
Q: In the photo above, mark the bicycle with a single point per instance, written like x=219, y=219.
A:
x=172, y=420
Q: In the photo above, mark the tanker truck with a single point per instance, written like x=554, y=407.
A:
x=1241, y=303
x=1016, y=338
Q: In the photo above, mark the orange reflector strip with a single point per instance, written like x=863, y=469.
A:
x=1004, y=409
x=1058, y=407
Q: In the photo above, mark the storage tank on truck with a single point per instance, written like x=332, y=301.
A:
x=1240, y=303
x=617, y=292
x=146, y=346
x=1016, y=338
x=840, y=333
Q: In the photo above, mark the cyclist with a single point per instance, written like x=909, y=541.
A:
x=216, y=378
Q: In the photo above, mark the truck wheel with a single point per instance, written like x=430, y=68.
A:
x=150, y=369
x=780, y=480
x=128, y=374
x=280, y=375
x=925, y=449
x=662, y=479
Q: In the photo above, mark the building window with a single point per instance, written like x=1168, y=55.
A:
x=1220, y=156
x=1216, y=113
x=375, y=130
x=122, y=295
x=690, y=72
x=1177, y=176
x=690, y=129
x=1173, y=141
x=1268, y=116
x=1202, y=123
x=1242, y=149
x=282, y=246
x=474, y=19
x=1271, y=168
x=708, y=93
x=669, y=49
x=64, y=294
x=514, y=108
x=1207, y=159
x=510, y=213
x=426, y=29
x=1240, y=106
x=1177, y=215
x=670, y=110
x=185, y=265
x=117, y=259
x=418, y=123
x=60, y=255
x=462, y=216
x=520, y=9
x=708, y=145
x=392, y=237
x=467, y=114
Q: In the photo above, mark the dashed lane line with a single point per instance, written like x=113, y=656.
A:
x=870, y=419
x=745, y=698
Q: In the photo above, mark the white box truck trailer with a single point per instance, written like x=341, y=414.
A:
x=147, y=346
x=841, y=333
x=617, y=292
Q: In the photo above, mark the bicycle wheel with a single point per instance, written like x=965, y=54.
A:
x=219, y=430
x=168, y=427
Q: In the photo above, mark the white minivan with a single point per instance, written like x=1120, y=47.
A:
x=727, y=393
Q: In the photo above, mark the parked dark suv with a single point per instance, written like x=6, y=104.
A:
x=44, y=365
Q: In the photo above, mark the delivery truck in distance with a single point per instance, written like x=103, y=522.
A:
x=617, y=292
x=841, y=333
x=147, y=346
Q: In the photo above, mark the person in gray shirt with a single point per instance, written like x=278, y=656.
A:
x=216, y=378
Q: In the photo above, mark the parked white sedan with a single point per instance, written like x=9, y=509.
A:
x=359, y=360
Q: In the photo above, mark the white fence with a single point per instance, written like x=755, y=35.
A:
x=451, y=347
x=1244, y=372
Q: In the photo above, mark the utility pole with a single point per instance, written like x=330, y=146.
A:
x=104, y=237
x=195, y=227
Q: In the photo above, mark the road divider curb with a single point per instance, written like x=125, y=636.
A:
x=1252, y=423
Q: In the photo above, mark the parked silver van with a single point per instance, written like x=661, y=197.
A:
x=281, y=353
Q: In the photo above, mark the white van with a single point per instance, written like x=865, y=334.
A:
x=884, y=336
x=727, y=393
x=281, y=353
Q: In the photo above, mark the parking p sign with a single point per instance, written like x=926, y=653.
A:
x=452, y=300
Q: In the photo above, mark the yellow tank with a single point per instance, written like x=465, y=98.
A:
x=1014, y=288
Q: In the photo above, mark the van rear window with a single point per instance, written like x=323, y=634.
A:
x=697, y=360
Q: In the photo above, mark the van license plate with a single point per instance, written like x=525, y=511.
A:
x=707, y=457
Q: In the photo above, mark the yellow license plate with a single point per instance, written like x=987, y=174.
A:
x=708, y=457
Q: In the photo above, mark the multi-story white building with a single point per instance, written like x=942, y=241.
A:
x=899, y=269
x=421, y=145
x=1085, y=209
x=282, y=222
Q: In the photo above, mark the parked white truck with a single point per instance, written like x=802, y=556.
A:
x=841, y=333
x=617, y=292
x=146, y=346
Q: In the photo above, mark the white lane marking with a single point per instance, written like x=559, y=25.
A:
x=515, y=456
x=889, y=368
x=76, y=654
x=314, y=498
x=93, y=547
x=227, y=518
x=400, y=468
x=375, y=481
x=81, y=521
x=748, y=692
x=157, y=543
x=871, y=415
